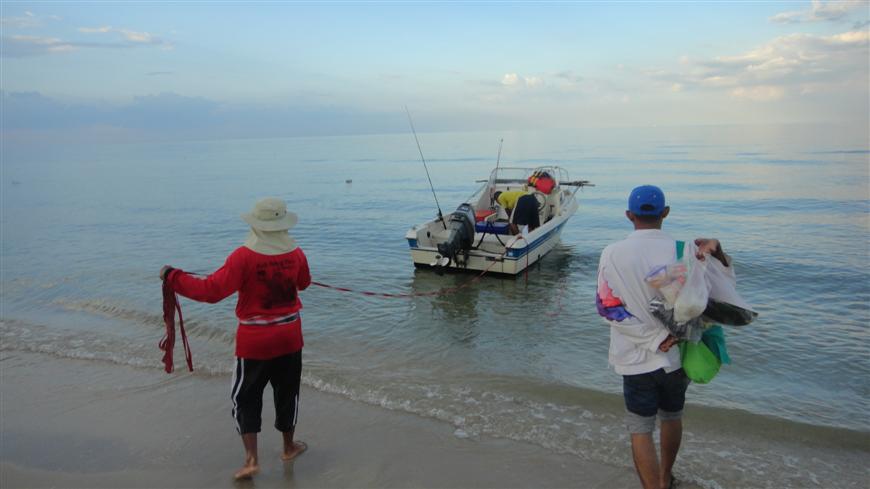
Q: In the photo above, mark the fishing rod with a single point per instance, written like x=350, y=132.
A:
x=440, y=216
x=497, y=160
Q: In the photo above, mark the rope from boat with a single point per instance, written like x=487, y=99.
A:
x=525, y=270
x=386, y=295
x=558, y=301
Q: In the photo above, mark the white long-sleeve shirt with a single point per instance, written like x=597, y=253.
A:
x=623, y=299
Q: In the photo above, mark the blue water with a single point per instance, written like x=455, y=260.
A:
x=86, y=228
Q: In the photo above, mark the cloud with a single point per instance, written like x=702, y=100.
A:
x=515, y=80
x=760, y=93
x=796, y=63
x=133, y=37
x=568, y=76
x=510, y=79
x=18, y=46
x=31, y=116
x=91, y=30
x=26, y=21
x=554, y=92
x=31, y=110
x=820, y=12
x=533, y=81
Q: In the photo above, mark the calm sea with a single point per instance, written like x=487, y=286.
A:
x=86, y=228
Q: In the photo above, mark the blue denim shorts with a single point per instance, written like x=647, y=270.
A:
x=653, y=393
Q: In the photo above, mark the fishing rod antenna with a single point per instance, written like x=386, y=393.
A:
x=497, y=160
x=420, y=149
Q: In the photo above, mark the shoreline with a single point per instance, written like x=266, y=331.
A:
x=128, y=427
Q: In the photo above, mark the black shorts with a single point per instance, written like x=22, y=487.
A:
x=250, y=378
x=526, y=212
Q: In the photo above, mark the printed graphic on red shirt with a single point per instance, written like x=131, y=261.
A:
x=278, y=278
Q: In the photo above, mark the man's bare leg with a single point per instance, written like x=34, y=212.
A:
x=251, y=467
x=645, y=460
x=292, y=448
x=671, y=436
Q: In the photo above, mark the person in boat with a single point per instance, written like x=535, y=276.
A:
x=521, y=206
x=268, y=272
x=642, y=349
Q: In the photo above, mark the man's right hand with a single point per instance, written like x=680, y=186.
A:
x=711, y=246
x=668, y=343
x=163, y=271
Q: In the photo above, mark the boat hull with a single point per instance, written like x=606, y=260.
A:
x=520, y=252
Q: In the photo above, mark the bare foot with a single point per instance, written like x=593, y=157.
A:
x=297, y=448
x=247, y=472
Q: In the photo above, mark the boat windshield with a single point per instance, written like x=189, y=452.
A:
x=512, y=175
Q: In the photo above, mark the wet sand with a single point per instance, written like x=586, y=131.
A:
x=80, y=423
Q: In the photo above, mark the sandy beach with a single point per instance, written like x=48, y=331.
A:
x=78, y=423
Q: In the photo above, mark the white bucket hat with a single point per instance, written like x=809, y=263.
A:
x=270, y=214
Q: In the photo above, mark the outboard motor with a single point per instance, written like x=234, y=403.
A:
x=460, y=237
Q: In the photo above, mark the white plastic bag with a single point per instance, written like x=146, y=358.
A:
x=669, y=279
x=692, y=298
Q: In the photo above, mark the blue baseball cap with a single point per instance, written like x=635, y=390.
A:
x=646, y=200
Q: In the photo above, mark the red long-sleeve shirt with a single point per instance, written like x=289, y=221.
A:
x=268, y=306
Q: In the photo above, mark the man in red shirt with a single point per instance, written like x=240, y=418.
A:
x=268, y=271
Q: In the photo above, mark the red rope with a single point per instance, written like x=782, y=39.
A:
x=167, y=344
x=528, y=252
x=406, y=295
x=558, y=301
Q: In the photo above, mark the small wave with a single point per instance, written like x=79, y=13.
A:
x=711, y=457
x=112, y=310
x=18, y=335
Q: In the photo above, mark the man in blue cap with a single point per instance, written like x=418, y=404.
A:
x=641, y=348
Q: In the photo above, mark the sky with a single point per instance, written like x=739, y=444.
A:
x=110, y=71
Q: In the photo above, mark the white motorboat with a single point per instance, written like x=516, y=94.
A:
x=477, y=236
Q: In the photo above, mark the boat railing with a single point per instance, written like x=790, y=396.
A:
x=507, y=180
x=557, y=172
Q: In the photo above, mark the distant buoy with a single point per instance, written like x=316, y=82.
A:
x=348, y=181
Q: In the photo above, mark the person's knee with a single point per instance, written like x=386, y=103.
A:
x=670, y=416
x=637, y=424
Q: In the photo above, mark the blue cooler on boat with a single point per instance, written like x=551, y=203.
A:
x=498, y=227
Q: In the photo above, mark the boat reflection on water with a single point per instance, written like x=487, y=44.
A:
x=464, y=306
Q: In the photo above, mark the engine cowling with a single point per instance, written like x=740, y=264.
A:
x=460, y=237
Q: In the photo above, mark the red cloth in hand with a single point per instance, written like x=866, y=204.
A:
x=167, y=344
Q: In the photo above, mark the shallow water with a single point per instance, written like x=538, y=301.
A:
x=85, y=230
